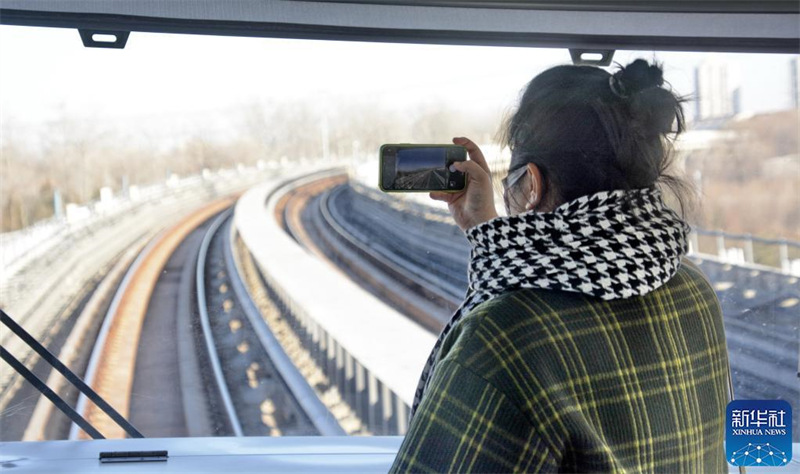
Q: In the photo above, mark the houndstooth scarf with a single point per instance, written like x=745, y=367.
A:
x=611, y=245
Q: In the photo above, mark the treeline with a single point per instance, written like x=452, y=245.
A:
x=749, y=179
x=76, y=157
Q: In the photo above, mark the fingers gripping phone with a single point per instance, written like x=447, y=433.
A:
x=421, y=168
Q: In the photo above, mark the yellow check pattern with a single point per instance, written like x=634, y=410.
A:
x=544, y=381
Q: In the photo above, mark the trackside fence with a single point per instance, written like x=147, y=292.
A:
x=747, y=250
x=380, y=410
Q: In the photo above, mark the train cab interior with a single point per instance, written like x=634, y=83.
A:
x=202, y=273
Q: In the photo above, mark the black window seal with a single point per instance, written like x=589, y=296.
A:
x=663, y=6
x=133, y=23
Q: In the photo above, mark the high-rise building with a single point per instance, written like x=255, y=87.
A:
x=713, y=97
x=736, y=101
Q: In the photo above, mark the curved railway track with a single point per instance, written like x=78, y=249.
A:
x=114, y=363
x=182, y=353
x=414, y=273
x=257, y=399
x=182, y=304
x=419, y=265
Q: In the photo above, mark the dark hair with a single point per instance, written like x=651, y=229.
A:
x=591, y=131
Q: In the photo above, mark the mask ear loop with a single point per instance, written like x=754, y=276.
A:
x=530, y=204
x=539, y=194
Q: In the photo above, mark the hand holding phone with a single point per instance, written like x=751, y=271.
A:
x=474, y=205
x=465, y=185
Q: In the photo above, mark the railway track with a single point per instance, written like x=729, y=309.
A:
x=61, y=294
x=398, y=253
x=320, y=215
x=226, y=380
x=257, y=400
x=125, y=336
x=183, y=352
x=60, y=299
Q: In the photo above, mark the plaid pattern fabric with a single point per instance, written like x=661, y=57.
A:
x=543, y=381
x=611, y=244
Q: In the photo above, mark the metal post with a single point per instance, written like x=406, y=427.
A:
x=694, y=246
x=402, y=415
x=319, y=345
x=330, y=359
x=784, y=256
x=748, y=249
x=374, y=415
x=387, y=410
x=350, y=380
x=309, y=337
x=362, y=400
x=302, y=329
x=721, y=247
x=341, y=381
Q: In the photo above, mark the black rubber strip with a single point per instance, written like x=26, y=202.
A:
x=392, y=35
x=625, y=6
x=134, y=456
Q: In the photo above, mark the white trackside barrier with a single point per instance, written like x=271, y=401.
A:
x=372, y=353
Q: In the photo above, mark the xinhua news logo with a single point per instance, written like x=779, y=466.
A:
x=759, y=433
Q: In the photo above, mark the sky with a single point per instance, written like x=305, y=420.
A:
x=173, y=85
x=420, y=158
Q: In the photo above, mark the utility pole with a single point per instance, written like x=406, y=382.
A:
x=326, y=145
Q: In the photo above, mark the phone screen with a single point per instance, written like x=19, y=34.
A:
x=421, y=167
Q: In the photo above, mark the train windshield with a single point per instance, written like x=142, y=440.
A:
x=194, y=225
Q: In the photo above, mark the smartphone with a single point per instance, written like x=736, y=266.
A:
x=421, y=168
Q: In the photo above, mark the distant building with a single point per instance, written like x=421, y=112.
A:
x=736, y=101
x=713, y=97
x=794, y=78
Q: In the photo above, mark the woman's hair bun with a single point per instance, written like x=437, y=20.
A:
x=640, y=75
x=653, y=107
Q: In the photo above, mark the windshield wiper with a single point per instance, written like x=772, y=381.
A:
x=59, y=402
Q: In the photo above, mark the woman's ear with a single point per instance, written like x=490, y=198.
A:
x=536, y=191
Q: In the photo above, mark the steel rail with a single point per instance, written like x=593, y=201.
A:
x=202, y=307
x=108, y=321
x=299, y=387
x=436, y=248
x=399, y=266
x=289, y=225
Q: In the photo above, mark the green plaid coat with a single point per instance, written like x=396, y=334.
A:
x=541, y=381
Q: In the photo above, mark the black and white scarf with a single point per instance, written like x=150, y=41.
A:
x=611, y=245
